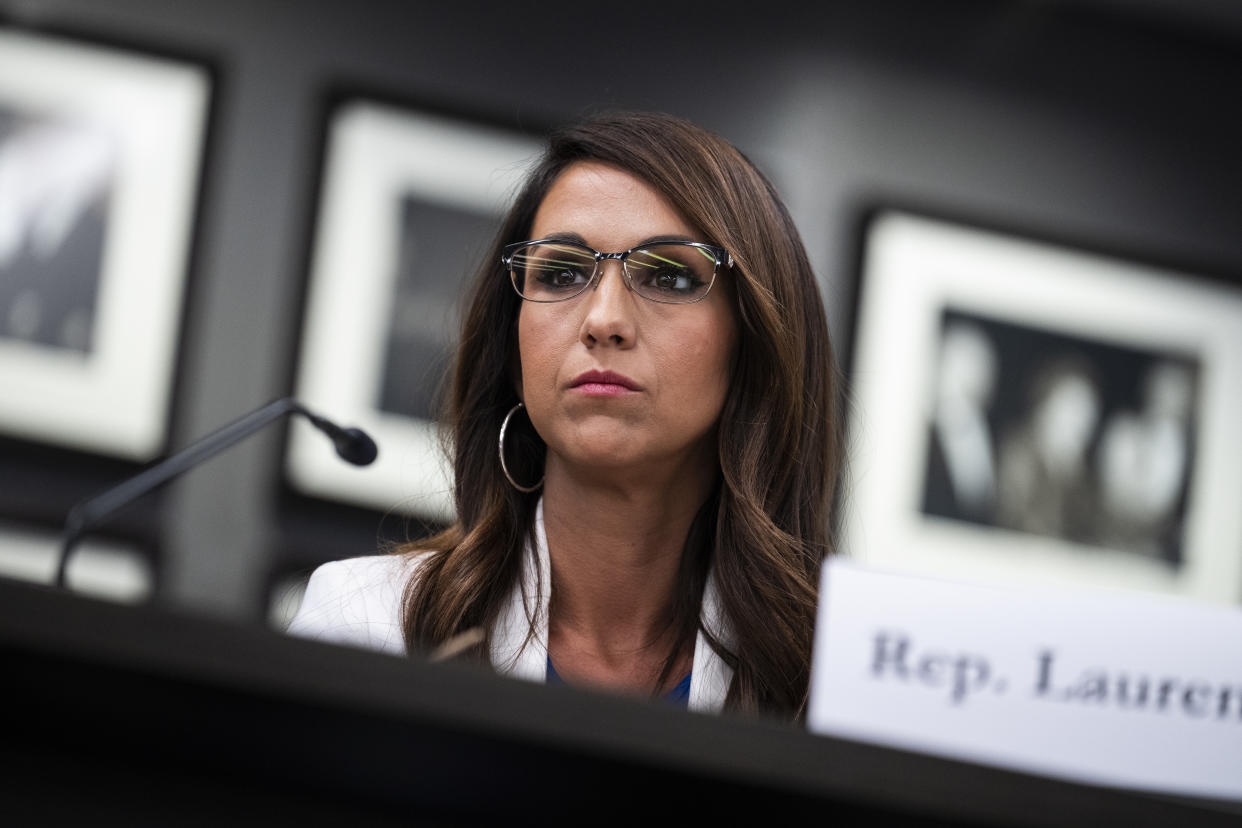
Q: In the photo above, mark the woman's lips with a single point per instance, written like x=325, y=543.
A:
x=604, y=384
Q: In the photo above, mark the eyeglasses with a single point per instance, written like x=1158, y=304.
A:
x=671, y=272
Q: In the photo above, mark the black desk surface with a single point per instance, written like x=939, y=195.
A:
x=122, y=715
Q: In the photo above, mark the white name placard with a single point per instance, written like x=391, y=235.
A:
x=1108, y=688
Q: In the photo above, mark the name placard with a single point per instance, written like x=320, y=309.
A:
x=1106, y=688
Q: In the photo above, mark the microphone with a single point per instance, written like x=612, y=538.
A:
x=352, y=444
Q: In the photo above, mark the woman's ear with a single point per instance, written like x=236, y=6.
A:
x=515, y=363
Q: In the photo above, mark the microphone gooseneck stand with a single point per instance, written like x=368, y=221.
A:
x=352, y=444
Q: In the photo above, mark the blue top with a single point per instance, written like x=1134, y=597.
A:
x=679, y=695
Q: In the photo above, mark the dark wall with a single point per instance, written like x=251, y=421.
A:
x=1074, y=120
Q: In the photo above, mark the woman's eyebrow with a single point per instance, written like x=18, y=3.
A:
x=570, y=237
x=575, y=238
x=665, y=237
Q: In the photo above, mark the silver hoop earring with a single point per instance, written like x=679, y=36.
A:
x=504, y=467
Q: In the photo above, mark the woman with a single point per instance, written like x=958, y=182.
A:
x=655, y=514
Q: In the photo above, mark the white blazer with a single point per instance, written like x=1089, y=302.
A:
x=357, y=602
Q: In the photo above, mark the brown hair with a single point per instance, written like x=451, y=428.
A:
x=765, y=529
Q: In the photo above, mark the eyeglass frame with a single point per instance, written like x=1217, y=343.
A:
x=722, y=256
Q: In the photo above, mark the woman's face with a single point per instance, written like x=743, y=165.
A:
x=613, y=381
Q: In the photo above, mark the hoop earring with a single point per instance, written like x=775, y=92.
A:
x=504, y=467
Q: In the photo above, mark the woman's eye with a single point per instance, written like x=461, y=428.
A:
x=562, y=277
x=673, y=280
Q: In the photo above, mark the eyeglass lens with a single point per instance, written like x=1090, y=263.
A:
x=555, y=271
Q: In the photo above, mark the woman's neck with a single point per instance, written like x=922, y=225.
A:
x=615, y=553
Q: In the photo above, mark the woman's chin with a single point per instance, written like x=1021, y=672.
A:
x=617, y=460
x=603, y=457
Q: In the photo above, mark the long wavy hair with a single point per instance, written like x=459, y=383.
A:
x=765, y=529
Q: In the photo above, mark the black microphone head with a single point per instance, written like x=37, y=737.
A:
x=355, y=446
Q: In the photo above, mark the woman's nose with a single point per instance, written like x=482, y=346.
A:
x=609, y=315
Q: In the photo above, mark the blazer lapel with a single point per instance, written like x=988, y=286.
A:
x=520, y=637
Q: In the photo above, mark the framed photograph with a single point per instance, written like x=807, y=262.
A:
x=100, y=568
x=100, y=158
x=1022, y=410
x=410, y=201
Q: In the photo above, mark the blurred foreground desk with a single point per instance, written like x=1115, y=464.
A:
x=117, y=715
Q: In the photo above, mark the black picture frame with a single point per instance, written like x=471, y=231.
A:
x=1031, y=410
x=102, y=147
x=409, y=199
